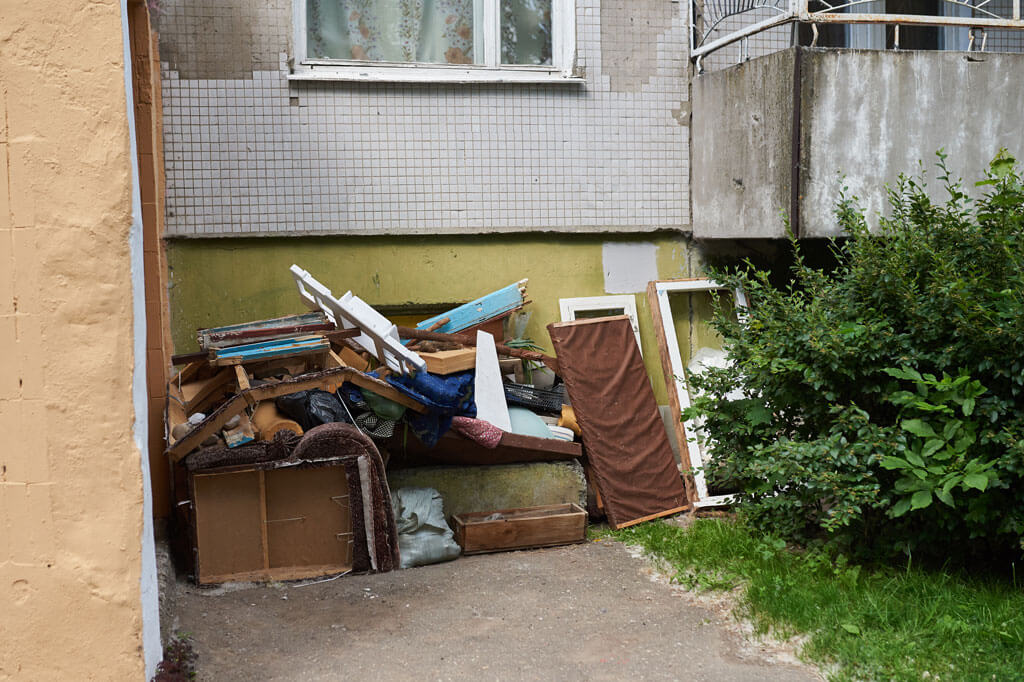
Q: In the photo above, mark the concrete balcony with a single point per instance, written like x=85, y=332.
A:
x=782, y=133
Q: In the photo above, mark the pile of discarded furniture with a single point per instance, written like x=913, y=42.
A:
x=283, y=434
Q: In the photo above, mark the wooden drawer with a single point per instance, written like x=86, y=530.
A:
x=546, y=526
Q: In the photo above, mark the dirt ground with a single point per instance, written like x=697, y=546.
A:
x=583, y=612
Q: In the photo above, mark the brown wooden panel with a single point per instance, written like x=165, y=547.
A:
x=227, y=517
x=308, y=517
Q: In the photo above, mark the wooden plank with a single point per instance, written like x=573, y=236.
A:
x=386, y=390
x=243, y=378
x=670, y=381
x=480, y=310
x=651, y=517
x=467, y=340
x=278, y=574
x=450, y=361
x=530, y=527
x=229, y=339
x=266, y=350
x=302, y=320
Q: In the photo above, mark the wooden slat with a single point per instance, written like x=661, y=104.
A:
x=198, y=395
x=450, y=361
x=479, y=311
x=667, y=512
x=263, y=519
x=673, y=398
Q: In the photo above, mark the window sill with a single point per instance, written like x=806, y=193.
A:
x=429, y=73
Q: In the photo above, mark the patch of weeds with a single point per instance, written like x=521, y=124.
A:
x=179, y=661
x=905, y=623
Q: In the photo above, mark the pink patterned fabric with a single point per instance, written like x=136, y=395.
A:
x=477, y=430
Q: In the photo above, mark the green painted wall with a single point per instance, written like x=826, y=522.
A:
x=225, y=281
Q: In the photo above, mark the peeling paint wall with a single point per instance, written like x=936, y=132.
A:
x=71, y=486
x=250, y=154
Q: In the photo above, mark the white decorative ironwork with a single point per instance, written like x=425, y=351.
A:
x=707, y=17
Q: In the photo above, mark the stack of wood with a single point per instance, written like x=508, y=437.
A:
x=224, y=394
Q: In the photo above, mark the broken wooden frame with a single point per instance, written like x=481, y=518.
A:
x=328, y=380
x=675, y=379
x=569, y=307
x=379, y=336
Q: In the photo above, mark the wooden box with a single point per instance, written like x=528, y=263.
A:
x=545, y=526
x=274, y=524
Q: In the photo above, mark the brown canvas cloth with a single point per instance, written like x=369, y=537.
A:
x=623, y=433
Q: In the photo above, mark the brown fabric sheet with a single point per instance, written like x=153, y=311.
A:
x=623, y=433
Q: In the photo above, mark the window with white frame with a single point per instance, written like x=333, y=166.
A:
x=427, y=40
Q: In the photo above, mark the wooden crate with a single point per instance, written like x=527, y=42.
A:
x=276, y=524
x=545, y=526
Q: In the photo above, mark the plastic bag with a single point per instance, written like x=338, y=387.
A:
x=423, y=535
x=312, y=408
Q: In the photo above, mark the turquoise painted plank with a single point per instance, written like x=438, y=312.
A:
x=256, y=351
x=478, y=311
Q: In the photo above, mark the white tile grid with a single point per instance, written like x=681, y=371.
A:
x=242, y=158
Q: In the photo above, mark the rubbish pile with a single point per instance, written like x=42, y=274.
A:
x=282, y=434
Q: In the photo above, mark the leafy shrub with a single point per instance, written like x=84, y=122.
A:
x=882, y=407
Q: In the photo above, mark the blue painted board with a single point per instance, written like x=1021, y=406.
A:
x=269, y=349
x=478, y=311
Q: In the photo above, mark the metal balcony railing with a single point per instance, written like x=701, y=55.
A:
x=715, y=24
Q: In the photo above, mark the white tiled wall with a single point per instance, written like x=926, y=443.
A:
x=254, y=155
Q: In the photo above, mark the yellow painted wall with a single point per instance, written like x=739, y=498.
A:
x=71, y=495
x=224, y=281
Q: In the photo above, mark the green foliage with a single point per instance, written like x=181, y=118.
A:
x=887, y=384
x=865, y=624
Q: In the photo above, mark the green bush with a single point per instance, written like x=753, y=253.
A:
x=882, y=409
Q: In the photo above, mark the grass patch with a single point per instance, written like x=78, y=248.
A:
x=878, y=624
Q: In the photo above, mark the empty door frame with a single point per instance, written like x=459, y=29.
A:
x=568, y=307
x=675, y=378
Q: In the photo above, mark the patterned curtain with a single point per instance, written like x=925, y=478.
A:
x=426, y=31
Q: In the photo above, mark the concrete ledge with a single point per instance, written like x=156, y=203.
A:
x=486, y=488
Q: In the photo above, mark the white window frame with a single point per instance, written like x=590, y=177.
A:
x=487, y=37
x=568, y=307
x=675, y=376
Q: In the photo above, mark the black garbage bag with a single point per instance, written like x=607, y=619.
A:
x=312, y=408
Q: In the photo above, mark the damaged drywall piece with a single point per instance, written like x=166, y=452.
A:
x=628, y=266
x=487, y=387
x=379, y=336
x=675, y=378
